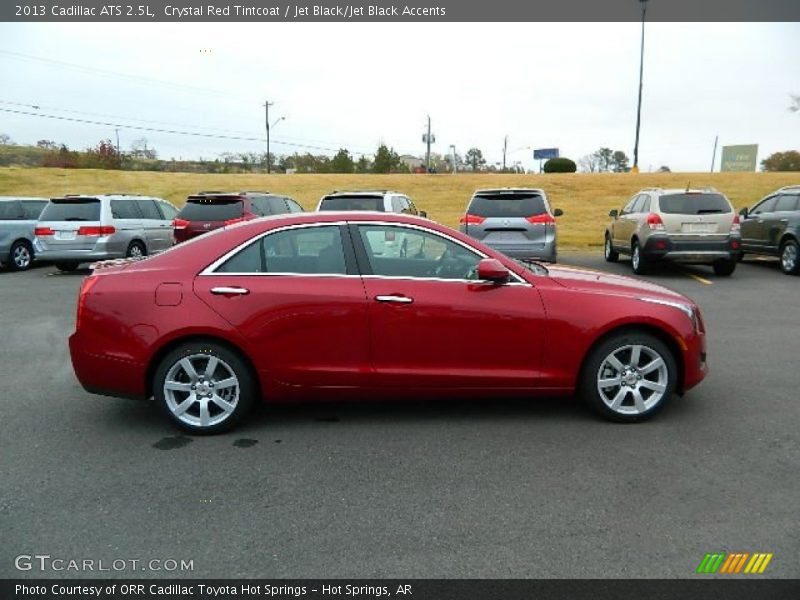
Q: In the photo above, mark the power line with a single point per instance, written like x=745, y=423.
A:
x=171, y=131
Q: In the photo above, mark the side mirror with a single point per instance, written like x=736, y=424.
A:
x=423, y=214
x=491, y=269
x=558, y=212
x=744, y=212
x=613, y=213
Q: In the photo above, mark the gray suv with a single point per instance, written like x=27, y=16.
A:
x=772, y=227
x=18, y=218
x=515, y=221
x=78, y=229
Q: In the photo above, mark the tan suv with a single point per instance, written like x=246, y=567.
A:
x=688, y=226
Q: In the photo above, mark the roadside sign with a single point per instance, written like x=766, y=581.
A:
x=545, y=153
x=739, y=158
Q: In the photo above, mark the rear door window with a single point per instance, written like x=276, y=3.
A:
x=72, y=209
x=277, y=205
x=149, y=209
x=125, y=209
x=212, y=209
x=168, y=211
x=765, y=206
x=352, y=203
x=31, y=209
x=507, y=206
x=694, y=204
x=10, y=210
x=786, y=203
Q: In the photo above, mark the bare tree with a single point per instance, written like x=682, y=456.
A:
x=589, y=163
x=5, y=139
x=795, y=106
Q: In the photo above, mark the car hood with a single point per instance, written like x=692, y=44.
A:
x=608, y=283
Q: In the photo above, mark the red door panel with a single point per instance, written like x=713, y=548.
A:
x=454, y=333
x=302, y=330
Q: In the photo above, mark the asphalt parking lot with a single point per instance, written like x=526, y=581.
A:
x=480, y=489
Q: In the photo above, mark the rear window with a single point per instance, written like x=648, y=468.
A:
x=694, y=204
x=72, y=209
x=211, y=209
x=507, y=205
x=352, y=203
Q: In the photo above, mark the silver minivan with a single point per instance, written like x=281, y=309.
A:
x=515, y=221
x=81, y=228
x=18, y=218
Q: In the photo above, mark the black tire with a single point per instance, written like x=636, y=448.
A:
x=740, y=257
x=591, y=374
x=136, y=248
x=67, y=267
x=724, y=267
x=638, y=260
x=790, y=257
x=219, y=419
x=20, y=257
x=609, y=253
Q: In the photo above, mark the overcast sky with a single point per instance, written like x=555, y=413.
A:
x=571, y=86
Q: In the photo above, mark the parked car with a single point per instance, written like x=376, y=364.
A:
x=77, y=229
x=300, y=306
x=516, y=221
x=377, y=200
x=772, y=227
x=18, y=218
x=208, y=211
x=697, y=226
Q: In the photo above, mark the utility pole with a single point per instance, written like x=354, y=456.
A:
x=714, y=154
x=455, y=166
x=635, y=168
x=428, y=152
x=505, y=147
x=117, y=132
x=267, y=104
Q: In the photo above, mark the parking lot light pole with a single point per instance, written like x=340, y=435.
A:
x=267, y=104
x=635, y=168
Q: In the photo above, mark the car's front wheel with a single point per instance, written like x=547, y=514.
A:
x=204, y=387
x=20, y=256
x=629, y=377
x=608, y=251
x=790, y=261
x=724, y=267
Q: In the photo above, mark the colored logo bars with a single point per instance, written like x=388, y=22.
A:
x=735, y=562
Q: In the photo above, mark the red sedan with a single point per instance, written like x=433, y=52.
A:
x=366, y=305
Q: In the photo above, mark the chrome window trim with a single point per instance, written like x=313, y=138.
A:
x=210, y=270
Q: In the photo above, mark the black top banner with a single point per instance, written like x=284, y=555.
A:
x=414, y=10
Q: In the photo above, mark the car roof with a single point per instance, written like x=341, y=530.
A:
x=361, y=193
x=509, y=190
x=112, y=196
x=663, y=191
x=9, y=198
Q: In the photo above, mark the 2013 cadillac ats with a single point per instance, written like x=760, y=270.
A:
x=373, y=306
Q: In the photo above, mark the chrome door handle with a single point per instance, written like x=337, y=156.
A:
x=229, y=291
x=396, y=299
x=784, y=220
x=761, y=220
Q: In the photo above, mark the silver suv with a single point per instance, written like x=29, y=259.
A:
x=515, y=221
x=78, y=229
x=371, y=200
x=18, y=218
x=695, y=226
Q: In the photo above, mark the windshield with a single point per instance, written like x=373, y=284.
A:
x=72, y=209
x=694, y=204
x=211, y=209
x=352, y=203
x=505, y=205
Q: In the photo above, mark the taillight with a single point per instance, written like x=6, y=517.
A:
x=543, y=218
x=737, y=224
x=86, y=286
x=40, y=231
x=232, y=221
x=471, y=220
x=94, y=230
x=180, y=223
x=654, y=222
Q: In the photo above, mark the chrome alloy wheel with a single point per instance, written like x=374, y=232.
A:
x=635, y=257
x=201, y=390
x=135, y=251
x=632, y=379
x=21, y=257
x=607, y=249
x=789, y=258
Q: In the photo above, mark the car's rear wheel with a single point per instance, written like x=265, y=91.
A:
x=608, y=251
x=629, y=377
x=20, y=256
x=136, y=250
x=790, y=261
x=67, y=267
x=724, y=267
x=638, y=260
x=204, y=387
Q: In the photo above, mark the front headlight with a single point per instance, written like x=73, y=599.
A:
x=687, y=309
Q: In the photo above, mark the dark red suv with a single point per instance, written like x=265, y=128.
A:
x=207, y=211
